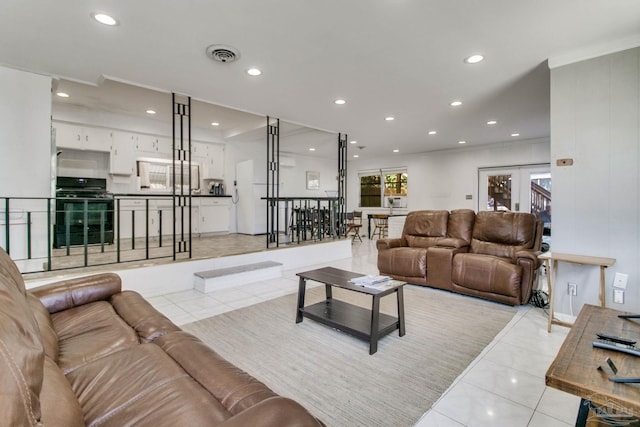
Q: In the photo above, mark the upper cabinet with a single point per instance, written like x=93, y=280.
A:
x=154, y=144
x=214, y=168
x=125, y=148
x=82, y=138
x=122, y=160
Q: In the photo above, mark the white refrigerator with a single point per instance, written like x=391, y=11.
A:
x=251, y=208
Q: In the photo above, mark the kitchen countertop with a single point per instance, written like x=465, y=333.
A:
x=164, y=195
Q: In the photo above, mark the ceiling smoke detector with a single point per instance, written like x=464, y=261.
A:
x=222, y=53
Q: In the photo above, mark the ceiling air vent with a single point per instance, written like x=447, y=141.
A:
x=222, y=53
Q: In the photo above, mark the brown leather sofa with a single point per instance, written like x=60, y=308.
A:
x=492, y=255
x=83, y=352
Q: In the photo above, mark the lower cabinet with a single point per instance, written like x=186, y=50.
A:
x=208, y=215
x=214, y=214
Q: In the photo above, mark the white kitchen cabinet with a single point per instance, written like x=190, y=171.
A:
x=165, y=146
x=199, y=149
x=154, y=144
x=122, y=160
x=82, y=138
x=215, y=162
x=165, y=218
x=214, y=214
x=146, y=144
x=97, y=139
x=132, y=218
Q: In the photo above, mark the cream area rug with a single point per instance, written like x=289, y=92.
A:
x=332, y=373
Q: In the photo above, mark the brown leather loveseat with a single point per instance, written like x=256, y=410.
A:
x=492, y=255
x=83, y=352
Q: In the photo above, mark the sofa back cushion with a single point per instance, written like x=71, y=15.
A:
x=60, y=406
x=503, y=233
x=21, y=353
x=423, y=229
x=460, y=224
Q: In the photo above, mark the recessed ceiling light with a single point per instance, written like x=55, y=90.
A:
x=455, y=103
x=62, y=94
x=515, y=134
x=151, y=112
x=339, y=102
x=215, y=124
x=389, y=118
x=432, y=132
x=355, y=156
x=462, y=142
x=254, y=72
x=492, y=122
x=395, y=150
x=312, y=149
x=353, y=142
x=474, y=59
x=105, y=19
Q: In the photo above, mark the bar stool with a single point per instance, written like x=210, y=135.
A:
x=381, y=223
x=354, y=223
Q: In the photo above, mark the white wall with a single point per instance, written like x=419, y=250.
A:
x=595, y=120
x=25, y=156
x=25, y=134
x=442, y=179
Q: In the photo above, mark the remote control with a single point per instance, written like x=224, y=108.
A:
x=611, y=345
x=613, y=338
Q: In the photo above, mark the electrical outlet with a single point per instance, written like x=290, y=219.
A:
x=572, y=289
x=618, y=296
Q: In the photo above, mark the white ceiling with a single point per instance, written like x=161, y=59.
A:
x=385, y=57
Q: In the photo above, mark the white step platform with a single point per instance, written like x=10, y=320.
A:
x=221, y=278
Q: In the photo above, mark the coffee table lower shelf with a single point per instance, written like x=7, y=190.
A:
x=349, y=318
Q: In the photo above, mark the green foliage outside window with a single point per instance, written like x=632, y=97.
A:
x=372, y=191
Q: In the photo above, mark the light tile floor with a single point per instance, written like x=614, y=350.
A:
x=504, y=386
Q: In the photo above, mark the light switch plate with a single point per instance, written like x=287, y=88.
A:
x=620, y=280
x=618, y=296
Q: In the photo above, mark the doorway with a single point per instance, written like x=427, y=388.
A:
x=516, y=189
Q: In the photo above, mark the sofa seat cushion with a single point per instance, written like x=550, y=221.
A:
x=90, y=331
x=142, y=385
x=403, y=261
x=487, y=274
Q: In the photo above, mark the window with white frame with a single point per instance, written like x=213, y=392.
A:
x=383, y=188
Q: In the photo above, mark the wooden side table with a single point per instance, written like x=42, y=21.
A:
x=552, y=274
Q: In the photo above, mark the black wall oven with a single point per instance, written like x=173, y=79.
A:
x=84, y=212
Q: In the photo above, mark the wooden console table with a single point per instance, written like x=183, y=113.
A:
x=552, y=274
x=575, y=368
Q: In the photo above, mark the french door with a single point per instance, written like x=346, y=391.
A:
x=515, y=189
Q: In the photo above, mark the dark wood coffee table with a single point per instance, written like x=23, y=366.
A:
x=370, y=325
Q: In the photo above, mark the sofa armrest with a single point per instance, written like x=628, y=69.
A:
x=148, y=322
x=384, y=244
x=530, y=264
x=275, y=411
x=70, y=293
x=452, y=242
x=440, y=265
x=529, y=257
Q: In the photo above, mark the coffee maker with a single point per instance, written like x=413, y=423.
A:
x=216, y=187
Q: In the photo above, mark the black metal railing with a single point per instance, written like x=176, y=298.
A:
x=48, y=234
x=307, y=219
